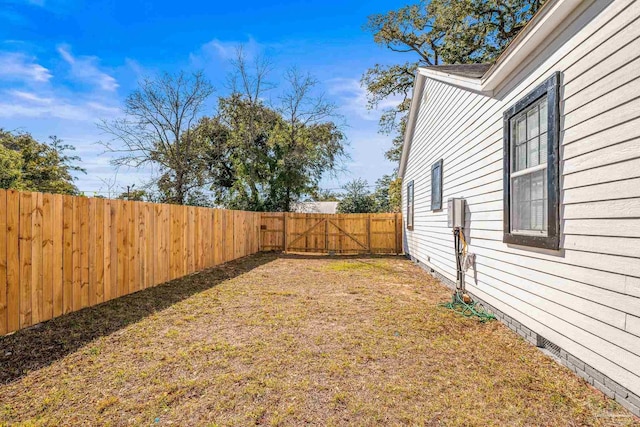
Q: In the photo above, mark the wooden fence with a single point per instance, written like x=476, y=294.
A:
x=332, y=233
x=59, y=254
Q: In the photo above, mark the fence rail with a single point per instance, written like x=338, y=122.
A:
x=60, y=254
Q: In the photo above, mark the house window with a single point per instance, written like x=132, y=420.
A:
x=531, y=189
x=436, y=185
x=410, y=205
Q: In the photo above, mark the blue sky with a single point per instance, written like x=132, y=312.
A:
x=66, y=64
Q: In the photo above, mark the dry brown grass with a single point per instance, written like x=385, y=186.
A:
x=288, y=341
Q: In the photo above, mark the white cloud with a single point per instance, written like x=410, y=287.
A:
x=352, y=98
x=86, y=69
x=16, y=66
x=29, y=96
x=228, y=49
x=22, y=104
x=225, y=50
x=136, y=67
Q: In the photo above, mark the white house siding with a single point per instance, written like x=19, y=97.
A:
x=585, y=297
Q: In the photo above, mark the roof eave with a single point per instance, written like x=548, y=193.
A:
x=470, y=83
x=541, y=26
x=547, y=20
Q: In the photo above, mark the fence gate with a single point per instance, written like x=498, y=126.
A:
x=331, y=233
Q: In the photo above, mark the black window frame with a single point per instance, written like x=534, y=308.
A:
x=436, y=204
x=410, y=204
x=551, y=89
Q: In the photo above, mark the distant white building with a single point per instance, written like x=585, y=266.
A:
x=544, y=147
x=315, y=207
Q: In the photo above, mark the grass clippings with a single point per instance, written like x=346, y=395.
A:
x=288, y=340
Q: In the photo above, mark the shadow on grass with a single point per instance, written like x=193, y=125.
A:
x=39, y=346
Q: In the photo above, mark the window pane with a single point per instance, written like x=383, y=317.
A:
x=521, y=129
x=533, y=156
x=529, y=202
x=533, y=128
x=520, y=188
x=538, y=182
x=543, y=115
x=537, y=215
x=436, y=177
x=543, y=147
x=410, y=204
x=521, y=157
x=537, y=185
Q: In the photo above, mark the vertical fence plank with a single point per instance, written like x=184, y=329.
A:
x=183, y=213
x=85, y=244
x=149, y=226
x=160, y=245
x=13, y=260
x=175, y=242
x=229, y=239
x=133, y=247
x=77, y=280
x=238, y=239
x=57, y=246
x=213, y=237
x=106, y=248
x=166, y=231
x=190, y=238
x=68, y=255
x=113, y=252
x=199, y=264
x=218, y=238
x=25, y=259
x=141, y=250
x=37, y=297
x=197, y=240
x=128, y=229
x=92, y=248
x=121, y=248
x=47, y=256
x=99, y=251
x=3, y=263
x=206, y=250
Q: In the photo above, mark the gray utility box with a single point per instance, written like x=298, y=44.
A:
x=455, y=213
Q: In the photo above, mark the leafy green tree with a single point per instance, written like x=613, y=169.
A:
x=10, y=169
x=387, y=194
x=311, y=143
x=131, y=194
x=395, y=195
x=432, y=33
x=357, y=198
x=324, y=195
x=37, y=166
x=157, y=130
x=266, y=158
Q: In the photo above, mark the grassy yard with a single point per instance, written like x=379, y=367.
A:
x=280, y=340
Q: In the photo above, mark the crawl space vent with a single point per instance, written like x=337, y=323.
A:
x=549, y=346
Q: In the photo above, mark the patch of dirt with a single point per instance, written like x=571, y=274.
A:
x=288, y=340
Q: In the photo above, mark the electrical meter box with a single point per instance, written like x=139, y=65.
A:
x=455, y=213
